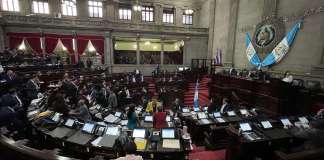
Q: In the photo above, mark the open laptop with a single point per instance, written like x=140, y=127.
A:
x=118, y=114
x=139, y=133
x=185, y=110
x=303, y=120
x=232, y=116
x=56, y=117
x=285, y=122
x=201, y=115
x=112, y=131
x=169, y=139
x=272, y=132
x=88, y=127
x=245, y=127
x=243, y=111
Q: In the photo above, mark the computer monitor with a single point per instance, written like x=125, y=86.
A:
x=56, y=117
x=139, y=133
x=123, y=122
x=266, y=124
x=168, y=133
x=70, y=122
x=180, y=68
x=168, y=118
x=118, y=114
x=114, y=131
x=285, y=122
x=185, y=110
x=243, y=111
x=201, y=115
x=231, y=113
x=303, y=119
x=217, y=114
x=88, y=127
x=148, y=119
x=196, y=109
x=245, y=127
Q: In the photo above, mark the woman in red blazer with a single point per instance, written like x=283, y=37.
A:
x=159, y=119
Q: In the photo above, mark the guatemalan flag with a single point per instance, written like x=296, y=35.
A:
x=218, y=56
x=196, y=96
x=282, y=48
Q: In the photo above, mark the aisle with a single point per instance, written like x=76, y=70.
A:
x=203, y=92
x=200, y=152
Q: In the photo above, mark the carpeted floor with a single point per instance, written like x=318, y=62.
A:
x=200, y=153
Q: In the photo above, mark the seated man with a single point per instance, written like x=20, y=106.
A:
x=176, y=106
x=159, y=119
x=226, y=106
x=82, y=111
x=212, y=107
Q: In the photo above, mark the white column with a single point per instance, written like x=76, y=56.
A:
x=108, y=49
x=2, y=39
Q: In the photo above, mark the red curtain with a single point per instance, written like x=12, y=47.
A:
x=50, y=44
x=33, y=39
x=97, y=42
x=14, y=42
x=68, y=43
x=99, y=45
x=82, y=44
x=35, y=44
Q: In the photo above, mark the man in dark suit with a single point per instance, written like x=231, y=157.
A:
x=70, y=88
x=212, y=107
x=32, y=87
x=226, y=106
x=13, y=102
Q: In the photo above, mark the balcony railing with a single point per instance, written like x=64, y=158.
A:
x=49, y=22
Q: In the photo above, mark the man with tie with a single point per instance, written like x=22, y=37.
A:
x=12, y=101
x=32, y=87
x=70, y=88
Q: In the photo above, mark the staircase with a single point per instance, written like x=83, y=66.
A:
x=203, y=92
x=151, y=86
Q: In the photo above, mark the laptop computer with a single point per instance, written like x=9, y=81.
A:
x=148, y=119
x=169, y=139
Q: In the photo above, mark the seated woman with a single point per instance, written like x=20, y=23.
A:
x=132, y=117
x=159, y=119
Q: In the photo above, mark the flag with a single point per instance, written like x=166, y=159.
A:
x=196, y=96
x=283, y=47
x=218, y=56
x=250, y=52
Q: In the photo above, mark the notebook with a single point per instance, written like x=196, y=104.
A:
x=171, y=143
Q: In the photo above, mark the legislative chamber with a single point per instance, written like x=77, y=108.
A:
x=161, y=79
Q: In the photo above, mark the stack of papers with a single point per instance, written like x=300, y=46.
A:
x=111, y=118
x=171, y=143
x=220, y=120
x=140, y=143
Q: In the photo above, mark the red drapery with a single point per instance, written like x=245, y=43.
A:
x=97, y=42
x=51, y=41
x=33, y=39
x=50, y=44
